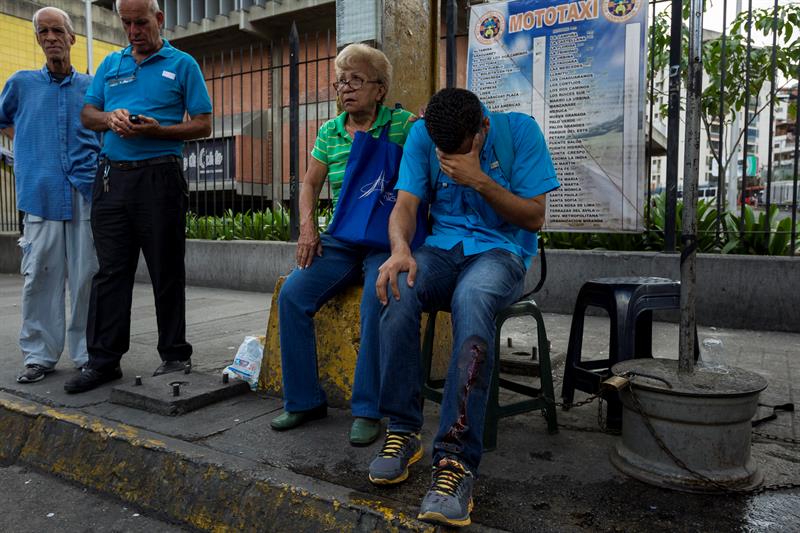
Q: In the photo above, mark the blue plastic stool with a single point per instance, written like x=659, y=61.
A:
x=630, y=303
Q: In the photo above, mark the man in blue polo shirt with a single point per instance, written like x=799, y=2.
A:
x=54, y=162
x=138, y=99
x=483, y=239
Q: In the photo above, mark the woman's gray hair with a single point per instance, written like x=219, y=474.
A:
x=153, y=5
x=67, y=20
x=356, y=53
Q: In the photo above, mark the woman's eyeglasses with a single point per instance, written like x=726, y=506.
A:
x=353, y=83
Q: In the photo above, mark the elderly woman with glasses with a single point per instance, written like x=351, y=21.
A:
x=327, y=265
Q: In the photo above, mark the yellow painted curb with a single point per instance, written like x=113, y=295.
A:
x=183, y=481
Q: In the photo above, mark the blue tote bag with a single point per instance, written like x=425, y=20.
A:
x=368, y=196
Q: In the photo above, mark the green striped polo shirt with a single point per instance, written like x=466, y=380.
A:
x=332, y=147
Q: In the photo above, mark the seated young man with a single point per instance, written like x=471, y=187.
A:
x=474, y=262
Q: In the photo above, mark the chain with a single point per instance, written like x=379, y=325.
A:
x=573, y=405
x=697, y=475
x=601, y=421
x=776, y=438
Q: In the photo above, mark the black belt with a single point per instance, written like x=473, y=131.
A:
x=130, y=165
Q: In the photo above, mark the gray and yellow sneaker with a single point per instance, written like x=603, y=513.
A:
x=399, y=451
x=449, y=500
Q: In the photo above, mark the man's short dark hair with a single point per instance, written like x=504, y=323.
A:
x=451, y=116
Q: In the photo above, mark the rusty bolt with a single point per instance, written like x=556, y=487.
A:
x=187, y=369
x=176, y=389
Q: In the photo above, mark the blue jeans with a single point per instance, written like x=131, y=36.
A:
x=474, y=288
x=304, y=292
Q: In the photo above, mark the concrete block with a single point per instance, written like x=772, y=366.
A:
x=338, y=332
x=733, y=291
x=237, y=265
x=196, y=390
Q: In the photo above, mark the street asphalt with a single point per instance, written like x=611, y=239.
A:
x=534, y=481
x=32, y=502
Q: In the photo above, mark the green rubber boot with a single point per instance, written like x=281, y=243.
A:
x=364, y=431
x=292, y=420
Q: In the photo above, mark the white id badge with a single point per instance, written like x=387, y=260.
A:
x=121, y=81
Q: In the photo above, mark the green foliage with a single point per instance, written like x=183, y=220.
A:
x=596, y=241
x=725, y=61
x=713, y=235
x=759, y=237
x=787, y=54
x=707, y=238
x=732, y=53
x=264, y=225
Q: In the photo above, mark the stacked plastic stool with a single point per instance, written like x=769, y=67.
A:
x=630, y=302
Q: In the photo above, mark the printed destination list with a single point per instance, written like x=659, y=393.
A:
x=576, y=68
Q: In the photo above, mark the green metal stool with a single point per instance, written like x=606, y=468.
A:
x=542, y=398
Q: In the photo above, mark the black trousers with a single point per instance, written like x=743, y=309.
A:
x=139, y=209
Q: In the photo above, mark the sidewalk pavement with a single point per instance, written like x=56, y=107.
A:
x=222, y=468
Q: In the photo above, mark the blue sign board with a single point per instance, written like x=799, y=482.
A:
x=578, y=67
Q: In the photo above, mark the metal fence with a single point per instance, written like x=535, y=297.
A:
x=9, y=216
x=749, y=86
x=269, y=101
x=271, y=97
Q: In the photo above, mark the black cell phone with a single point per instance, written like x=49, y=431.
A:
x=134, y=119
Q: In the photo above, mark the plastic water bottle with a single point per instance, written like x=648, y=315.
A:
x=712, y=355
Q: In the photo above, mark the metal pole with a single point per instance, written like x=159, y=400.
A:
x=673, y=124
x=89, y=37
x=209, y=71
x=743, y=192
x=796, y=152
x=721, y=137
x=773, y=68
x=648, y=155
x=450, y=16
x=241, y=191
x=691, y=171
x=731, y=192
x=294, y=133
x=276, y=139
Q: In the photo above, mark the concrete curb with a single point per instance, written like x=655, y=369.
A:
x=186, y=482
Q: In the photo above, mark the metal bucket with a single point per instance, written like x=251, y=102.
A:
x=701, y=423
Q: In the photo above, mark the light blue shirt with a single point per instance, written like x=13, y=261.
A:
x=459, y=213
x=164, y=86
x=53, y=152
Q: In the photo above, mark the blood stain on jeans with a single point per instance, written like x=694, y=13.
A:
x=473, y=354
